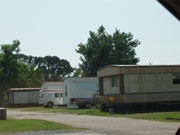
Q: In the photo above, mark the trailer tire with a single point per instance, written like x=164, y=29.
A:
x=49, y=104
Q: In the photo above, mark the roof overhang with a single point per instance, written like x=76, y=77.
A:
x=172, y=6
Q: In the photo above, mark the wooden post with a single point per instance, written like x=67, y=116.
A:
x=2, y=114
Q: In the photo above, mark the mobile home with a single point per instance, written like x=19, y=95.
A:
x=23, y=96
x=79, y=89
x=132, y=84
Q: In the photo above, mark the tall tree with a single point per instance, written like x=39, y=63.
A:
x=53, y=68
x=103, y=49
x=14, y=73
x=9, y=66
x=56, y=68
x=9, y=60
x=124, y=48
x=96, y=52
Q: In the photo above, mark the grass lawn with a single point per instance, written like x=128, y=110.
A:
x=158, y=116
x=66, y=110
x=172, y=116
x=31, y=125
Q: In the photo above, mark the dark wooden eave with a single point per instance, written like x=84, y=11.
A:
x=172, y=6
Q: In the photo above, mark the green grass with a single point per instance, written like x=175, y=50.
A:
x=31, y=125
x=96, y=112
x=157, y=116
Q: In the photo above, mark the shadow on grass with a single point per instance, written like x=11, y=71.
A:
x=143, y=108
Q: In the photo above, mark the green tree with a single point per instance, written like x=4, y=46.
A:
x=124, y=48
x=13, y=72
x=9, y=60
x=103, y=49
x=53, y=68
x=9, y=66
x=77, y=72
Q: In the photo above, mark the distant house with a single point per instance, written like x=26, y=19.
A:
x=23, y=97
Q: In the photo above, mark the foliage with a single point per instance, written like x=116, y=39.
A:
x=9, y=61
x=53, y=68
x=123, y=48
x=77, y=72
x=19, y=70
x=103, y=49
x=14, y=73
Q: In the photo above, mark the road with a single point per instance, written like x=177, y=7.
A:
x=100, y=125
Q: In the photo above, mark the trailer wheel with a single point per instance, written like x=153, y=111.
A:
x=49, y=104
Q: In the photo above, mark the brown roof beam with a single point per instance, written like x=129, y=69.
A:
x=172, y=6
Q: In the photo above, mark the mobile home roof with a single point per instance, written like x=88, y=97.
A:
x=83, y=79
x=137, y=69
x=24, y=89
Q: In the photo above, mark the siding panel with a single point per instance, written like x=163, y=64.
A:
x=146, y=83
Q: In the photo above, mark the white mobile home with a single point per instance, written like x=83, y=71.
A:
x=23, y=96
x=79, y=88
x=129, y=84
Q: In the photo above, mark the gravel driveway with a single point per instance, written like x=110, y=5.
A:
x=99, y=125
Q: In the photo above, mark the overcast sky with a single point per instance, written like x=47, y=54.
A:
x=56, y=27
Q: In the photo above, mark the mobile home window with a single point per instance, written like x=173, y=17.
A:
x=176, y=78
x=114, y=81
x=66, y=90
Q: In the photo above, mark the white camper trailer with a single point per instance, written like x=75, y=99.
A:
x=80, y=91
x=51, y=94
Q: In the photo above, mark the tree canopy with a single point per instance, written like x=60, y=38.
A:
x=104, y=49
x=53, y=68
x=14, y=73
x=19, y=70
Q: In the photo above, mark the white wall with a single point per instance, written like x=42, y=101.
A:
x=52, y=86
x=79, y=88
x=107, y=86
x=25, y=97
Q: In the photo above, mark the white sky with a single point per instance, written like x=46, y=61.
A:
x=56, y=27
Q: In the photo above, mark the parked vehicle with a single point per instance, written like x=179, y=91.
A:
x=85, y=102
x=51, y=94
x=76, y=92
x=81, y=92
